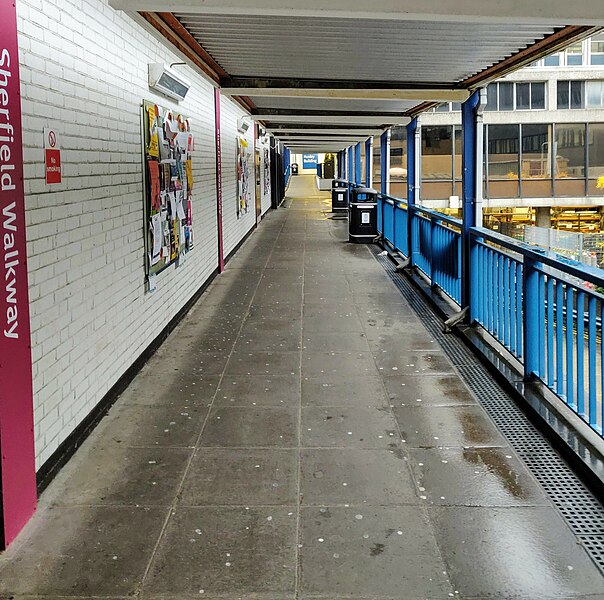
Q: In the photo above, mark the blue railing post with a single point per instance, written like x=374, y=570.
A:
x=350, y=164
x=470, y=156
x=412, y=159
x=368, y=162
x=475, y=285
x=358, y=177
x=531, y=311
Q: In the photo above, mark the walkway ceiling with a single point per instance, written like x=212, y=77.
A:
x=321, y=74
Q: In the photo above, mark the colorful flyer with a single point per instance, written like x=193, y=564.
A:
x=153, y=149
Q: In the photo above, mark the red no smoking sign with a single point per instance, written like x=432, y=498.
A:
x=52, y=156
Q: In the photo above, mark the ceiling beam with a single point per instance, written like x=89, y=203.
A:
x=560, y=12
x=418, y=95
x=342, y=89
x=379, y=121
x=277, y=131
x=286, y=112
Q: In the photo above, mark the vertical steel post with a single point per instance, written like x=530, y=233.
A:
x=412, y=183
x=532, y=323
x=385, y=162
x=470, y=157
x=358, y=177
x=369, y=162
x=350, y=164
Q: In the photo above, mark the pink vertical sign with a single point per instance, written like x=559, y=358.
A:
x=219, y=179
x=17, y=463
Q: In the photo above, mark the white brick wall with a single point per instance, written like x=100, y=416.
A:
x=84, y=72
x=234, y=229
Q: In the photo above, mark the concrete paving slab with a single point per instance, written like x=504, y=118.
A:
x=439, y=390
x=151, y=426
x=414, y=363
x=251, y=427
x=356, y=477
x=121, y=476
x=513, y=553
x=356, y=392
x=259, y=390
x=350, y=427
x=334, y=342
x=226, y=550
x=370, y=550
x=337, y=364
x=455, y=426
x=263, y=363
x=474, y=477
x=82, y=551
x=248, y=477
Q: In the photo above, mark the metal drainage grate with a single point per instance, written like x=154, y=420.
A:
x=582, y=510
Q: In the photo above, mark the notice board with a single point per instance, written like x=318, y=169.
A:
x=168, y=146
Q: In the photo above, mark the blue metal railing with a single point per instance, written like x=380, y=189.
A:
x=288, y=174
x=545, y=309
x=436, y=241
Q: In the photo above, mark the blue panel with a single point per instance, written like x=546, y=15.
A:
x=310, y=161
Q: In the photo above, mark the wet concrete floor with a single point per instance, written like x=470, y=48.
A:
x=300, y=435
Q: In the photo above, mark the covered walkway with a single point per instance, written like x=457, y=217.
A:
x=302, y=435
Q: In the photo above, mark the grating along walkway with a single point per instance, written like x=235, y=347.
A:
x=300, y=435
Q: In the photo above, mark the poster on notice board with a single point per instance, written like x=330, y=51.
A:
x=168, y=147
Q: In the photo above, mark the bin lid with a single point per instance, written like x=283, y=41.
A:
x=337, y=180
x=365, y=190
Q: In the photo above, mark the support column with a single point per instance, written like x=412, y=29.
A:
x=17, y=461
x=358, y=177
x=471, y=123
x=369, y=162
x=350, y=164
x=543, y=216
x=385, y=162
x=218, y=180
x=413, y=130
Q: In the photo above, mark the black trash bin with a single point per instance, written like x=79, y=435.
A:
x=362, y=216
x=340, y=190
x=294, y=168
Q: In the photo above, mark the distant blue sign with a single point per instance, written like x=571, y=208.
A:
x=310, y=161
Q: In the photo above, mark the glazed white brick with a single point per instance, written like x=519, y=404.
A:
x=84, y=72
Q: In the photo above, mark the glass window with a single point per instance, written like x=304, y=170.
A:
x=442, y=107
x=569, y=163
x=456, y=106
x=595, y=136
x=595, y=94
x=437, y=162
x=538, y=96
x=506, y=96
x=597, y=50
x=523, y=96
x=574, y=54
x=437, y=157
x=563, y=100
x=398, y=162
x=377, y=167
x=502, y=160
x=577, y=94
x=491, y=97
x=536, y=161
x=553, y=60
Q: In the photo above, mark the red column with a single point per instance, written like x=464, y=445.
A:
x=17, y=463
x=219, y=180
